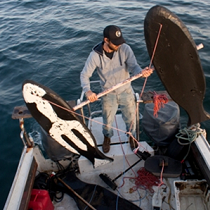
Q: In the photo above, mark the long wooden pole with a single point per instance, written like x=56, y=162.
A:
x=109, y=90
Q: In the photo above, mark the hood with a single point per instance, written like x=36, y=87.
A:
x=99, y=48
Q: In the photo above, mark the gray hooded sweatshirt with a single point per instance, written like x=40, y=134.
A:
x=111, y=71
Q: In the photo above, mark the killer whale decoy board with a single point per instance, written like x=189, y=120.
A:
x=176, y=61
x=59, y=120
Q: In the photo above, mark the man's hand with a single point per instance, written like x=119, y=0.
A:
x=91, y=96
x=147, y=72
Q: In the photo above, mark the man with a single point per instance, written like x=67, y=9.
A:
x=113, y=60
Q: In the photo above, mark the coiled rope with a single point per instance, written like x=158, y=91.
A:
x=189, y=135
x=145, y=180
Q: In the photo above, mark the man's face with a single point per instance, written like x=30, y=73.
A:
x=112, y=46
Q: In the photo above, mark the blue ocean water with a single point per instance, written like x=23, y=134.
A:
x=48, y=41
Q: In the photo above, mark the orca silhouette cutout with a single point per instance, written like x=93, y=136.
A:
x=58, y=119
x=176, y=61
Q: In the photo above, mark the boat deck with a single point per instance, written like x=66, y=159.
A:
x=174, y=194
